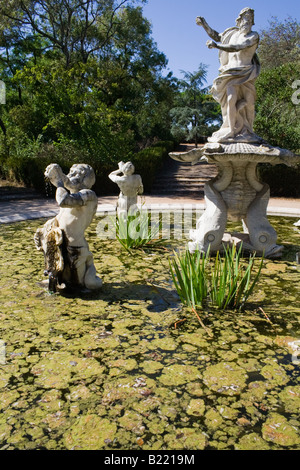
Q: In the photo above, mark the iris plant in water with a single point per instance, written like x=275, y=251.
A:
x=225, y=282
x=135, y=231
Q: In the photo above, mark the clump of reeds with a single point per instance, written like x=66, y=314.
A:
x=134, y=230
x=224, y=281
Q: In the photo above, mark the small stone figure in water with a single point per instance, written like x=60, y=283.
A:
x=68, y=260
x=130, y=185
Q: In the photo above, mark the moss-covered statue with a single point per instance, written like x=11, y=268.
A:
x=130, y=185
x=68, y=261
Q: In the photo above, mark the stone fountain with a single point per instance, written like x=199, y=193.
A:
x=236, y=193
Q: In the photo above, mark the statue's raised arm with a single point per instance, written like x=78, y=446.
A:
x=200, y=21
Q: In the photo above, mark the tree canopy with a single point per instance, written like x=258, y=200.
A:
x=85, y=81
x=280, y=43
x=195, y=115
x=77, y=29
x=277, y=118
x=81, y=74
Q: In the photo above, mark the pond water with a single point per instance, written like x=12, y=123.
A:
x=117, y=370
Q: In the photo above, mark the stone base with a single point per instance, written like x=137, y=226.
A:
x=214, y=152
x=236, y=194
x=224, y=136
x=238, y=239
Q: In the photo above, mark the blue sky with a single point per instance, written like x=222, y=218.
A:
x=183, y=42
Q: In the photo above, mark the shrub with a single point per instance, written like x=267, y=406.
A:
x=149, y=161
x=28, y=159
x=283, y=180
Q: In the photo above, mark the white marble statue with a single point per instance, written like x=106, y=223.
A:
x=68, y=260
x=130, y=185
x=234, y=88
x=236, y=193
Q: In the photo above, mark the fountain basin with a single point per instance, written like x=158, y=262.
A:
x=236, y=194
x=108, y=370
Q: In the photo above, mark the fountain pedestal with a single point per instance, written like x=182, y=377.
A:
x=236, y=194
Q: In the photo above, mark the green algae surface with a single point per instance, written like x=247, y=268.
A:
x=117, y=369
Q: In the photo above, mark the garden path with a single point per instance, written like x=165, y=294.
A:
x=177, y=185
x=183, y=179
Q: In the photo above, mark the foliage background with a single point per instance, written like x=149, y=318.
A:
x=86, y=82
x=278, y=117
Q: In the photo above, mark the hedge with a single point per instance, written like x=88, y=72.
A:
x=29, y=169
x=149, y=161
x=284, y=181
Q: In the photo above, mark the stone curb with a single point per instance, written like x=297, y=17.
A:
x=18, y=210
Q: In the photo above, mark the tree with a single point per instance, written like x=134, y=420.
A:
x=278, y=114
x=87, y=72
x=277, y=117
x=132, y=77
x=76, y=28
x=280, y=43
x=84, y=82
x=196, y=112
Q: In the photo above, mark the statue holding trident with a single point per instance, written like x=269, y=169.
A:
x=234, y=88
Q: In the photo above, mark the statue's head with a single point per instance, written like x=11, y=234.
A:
x=81, y=176
x=128, y=168
x=246, y=14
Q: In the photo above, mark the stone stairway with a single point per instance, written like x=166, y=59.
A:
x=8, y=192
x=183, y=179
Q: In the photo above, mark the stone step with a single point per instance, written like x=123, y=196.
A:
x=181, y=191
x=181, y=178
x=174, y=187
x=175, y=184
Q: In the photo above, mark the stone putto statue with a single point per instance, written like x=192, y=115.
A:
x=130, y=185
x=68, y=260
x=234, y=88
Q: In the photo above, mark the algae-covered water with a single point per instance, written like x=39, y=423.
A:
x=117, y=370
